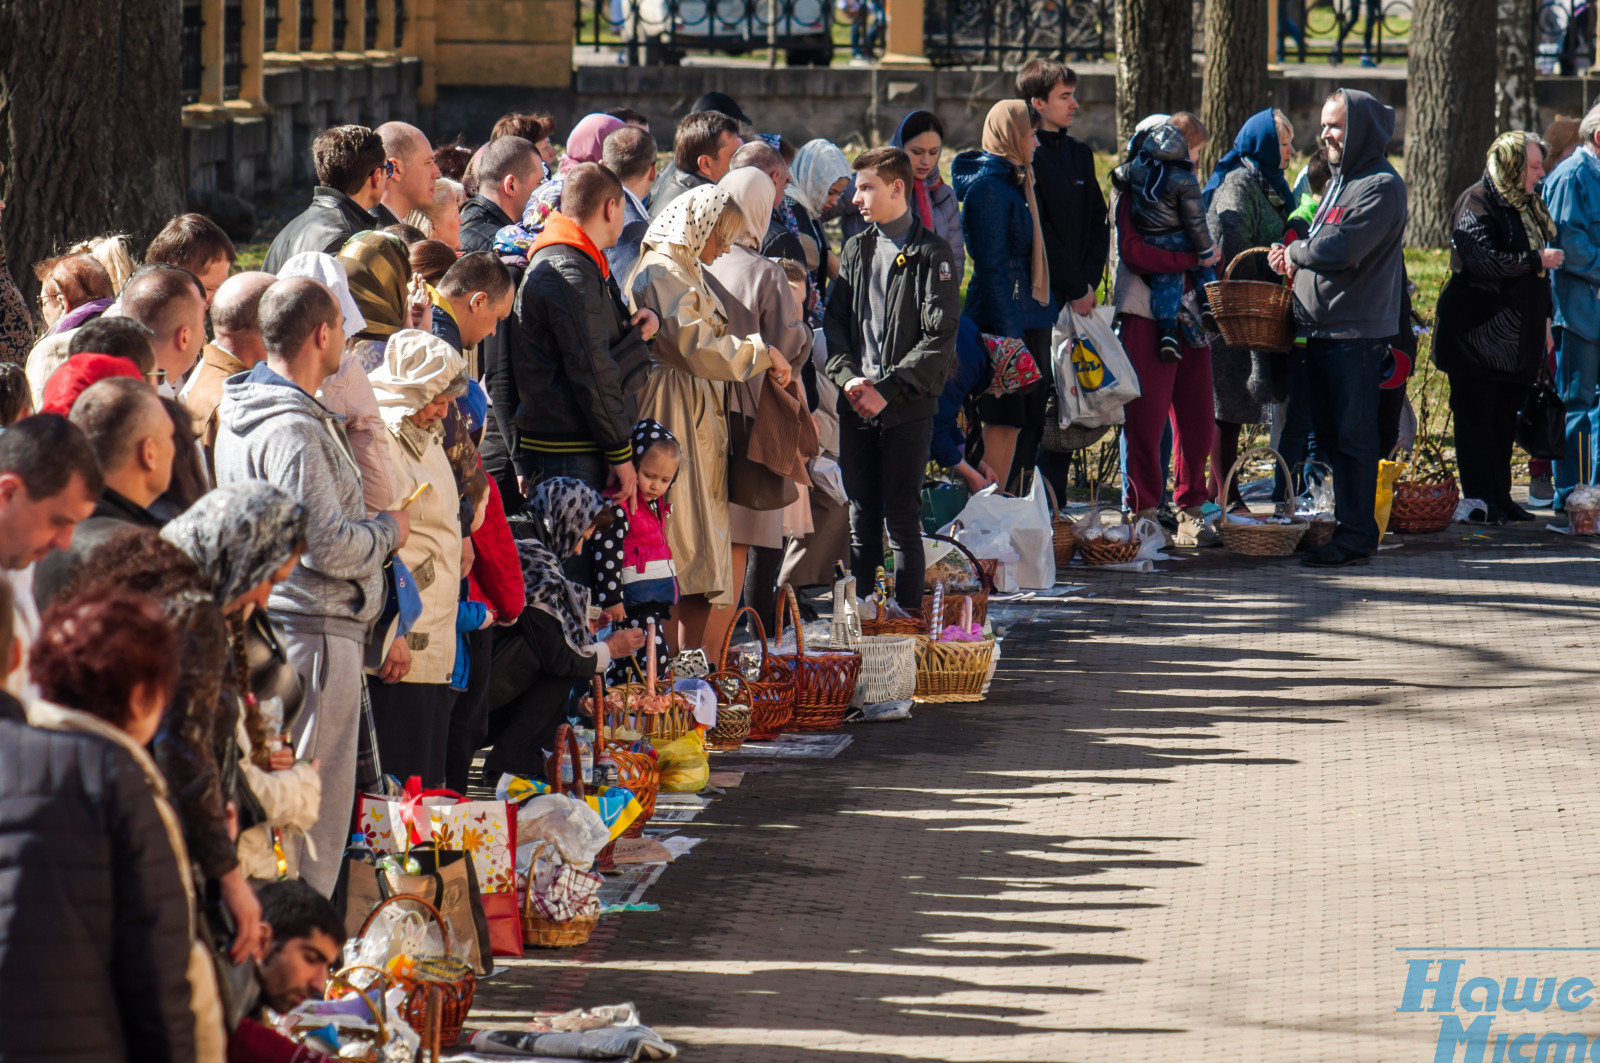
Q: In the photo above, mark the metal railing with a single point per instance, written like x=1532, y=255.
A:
x=190, y=67
x=1564, y=37
x=341, y=25
x=308, y=24
x=655, y=32
x=271, y=19
x=232, y=48
x=1007, y=33
x=369, y=18
x=1334, y=29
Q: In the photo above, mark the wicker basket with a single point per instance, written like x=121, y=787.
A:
x=952, y=602
x=1319, y=533
x=547, y=933
x=1073, y=437
x=1420, y=508
x=1061, y=528
x=1100, y=550
x=888, y=668
x=454, y=979
x=895, y=625
x=952, y=671
x=772, y=692
x=1255, y=315
x=637, y=773
x=733, y=711
x=825, y=681
x=372, y=1043
x=1259, y=540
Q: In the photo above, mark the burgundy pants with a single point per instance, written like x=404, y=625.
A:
x=1181, y=392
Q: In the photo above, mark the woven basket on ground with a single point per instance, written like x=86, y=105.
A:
x=453, y=978
x=371, y=1042
x=1259, y=540
x=888, y=667
x=952, y=602
x=825, y=681
x=952, y=671
x=1420, y=508
x=1255, y=315
x=772, y=691
x=899, y=625
x=1060, y=528
x=733, y=711
x=636, y=772
x=547, y=933
x=1319, y=533
x=1100, y=550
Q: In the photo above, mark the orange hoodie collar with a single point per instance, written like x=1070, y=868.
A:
x=560, y=229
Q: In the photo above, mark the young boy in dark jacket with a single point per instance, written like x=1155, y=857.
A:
x=891, y=327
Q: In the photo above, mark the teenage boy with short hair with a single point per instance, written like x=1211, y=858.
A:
x=891, y=328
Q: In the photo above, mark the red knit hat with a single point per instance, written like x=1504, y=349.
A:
x=75, y=375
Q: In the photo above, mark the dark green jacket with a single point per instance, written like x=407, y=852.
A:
x=922, y=314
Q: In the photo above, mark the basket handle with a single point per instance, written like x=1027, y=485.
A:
x=1227, y=483
x=1248, y=251
x=444, y=928
x=372, y=1008
x=527, y=899
x=727, y=638
x=598, y=694
x=716, y=679
x=971, y=557
x=786, y=598
x=566, y=744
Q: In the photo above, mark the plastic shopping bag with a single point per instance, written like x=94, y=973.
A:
x=992, y=519
x=1388, y=473
x=685, y=766
x=1094, y=378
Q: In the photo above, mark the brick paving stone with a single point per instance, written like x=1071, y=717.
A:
x=1196, y=818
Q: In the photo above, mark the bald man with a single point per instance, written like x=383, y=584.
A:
x=169, y=301
x=131, y=434
x=235, y=348
x=410, y=187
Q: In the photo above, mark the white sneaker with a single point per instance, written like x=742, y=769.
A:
x=1194, y=531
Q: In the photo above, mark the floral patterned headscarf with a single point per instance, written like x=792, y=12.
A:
x=560, y=511
x=238, y=535
x=1508, y=163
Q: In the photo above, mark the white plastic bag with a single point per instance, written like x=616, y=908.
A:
x=1094, y=378
x=1022, y=523
x=576, y=830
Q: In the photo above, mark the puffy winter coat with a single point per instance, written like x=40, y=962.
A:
x=1163, y=190
x=999, y=231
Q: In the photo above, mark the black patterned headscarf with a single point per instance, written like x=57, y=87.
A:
x=238, y=535
x=648, y=433
x=561, y=510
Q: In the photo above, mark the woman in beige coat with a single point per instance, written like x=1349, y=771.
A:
x=420, y=376
x=696, y=357
x=755, y=292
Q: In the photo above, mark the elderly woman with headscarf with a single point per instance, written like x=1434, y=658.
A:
x=921, y=136
x=818, y=175
x=348, y=392
x=1493, y=331
x=756, y=294
x=1248, y=204
x=585, y=144
x=551, y=649
x=245, y=538
x=420, y=377
x=697, y=355
x=1010, y=291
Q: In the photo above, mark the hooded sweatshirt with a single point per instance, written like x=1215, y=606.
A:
x=1351, y=268
x=269, y=429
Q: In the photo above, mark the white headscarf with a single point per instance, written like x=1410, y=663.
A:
x=817, y=167
x=330, y=273
x=417, y=368
x=754, y=192
x=682, y=230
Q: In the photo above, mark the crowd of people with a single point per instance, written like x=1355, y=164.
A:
x=488, y=415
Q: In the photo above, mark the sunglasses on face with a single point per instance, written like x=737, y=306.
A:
x=387, y=167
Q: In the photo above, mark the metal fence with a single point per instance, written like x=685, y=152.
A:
x=189, y=66
x=1564, y=37
x=656, y=32
x=1007, y=33
x=1335, y=29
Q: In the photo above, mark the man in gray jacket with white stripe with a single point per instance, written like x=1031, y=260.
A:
x=271, y=427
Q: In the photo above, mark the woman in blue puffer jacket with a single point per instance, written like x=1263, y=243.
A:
x=1009, y=294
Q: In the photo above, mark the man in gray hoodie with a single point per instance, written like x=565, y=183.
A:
x=1347, y=278
x=270, y=427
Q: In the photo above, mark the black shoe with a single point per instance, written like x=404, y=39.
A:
x=1332, y=556
x=1170, y=351
x=1515, y=514
x=1208, y=320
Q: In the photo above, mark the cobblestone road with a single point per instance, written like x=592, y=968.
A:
x=1197, y=819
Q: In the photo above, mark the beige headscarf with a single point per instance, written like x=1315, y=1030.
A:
x=1008, y=134
x=1507, y=165
x=754, y=192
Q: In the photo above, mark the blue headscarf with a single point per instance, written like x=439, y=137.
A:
x=1258, y=142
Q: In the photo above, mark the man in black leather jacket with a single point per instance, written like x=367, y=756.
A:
x=350, y=168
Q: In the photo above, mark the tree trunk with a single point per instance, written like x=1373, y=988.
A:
x=1155, y=60
x=91, y=118
x=1449, y=112
x=1514, y=105
x=1236, y=72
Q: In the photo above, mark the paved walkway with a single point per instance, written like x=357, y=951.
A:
x=1195, y=821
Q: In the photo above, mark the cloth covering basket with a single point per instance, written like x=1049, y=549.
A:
x=772, y=691
x=1255, y=315
x=547, y=933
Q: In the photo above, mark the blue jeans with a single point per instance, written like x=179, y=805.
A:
x=592, y=469
x=1343, y=379
x=1166, y=289
x=1577, y=369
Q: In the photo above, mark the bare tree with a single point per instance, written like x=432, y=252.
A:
x=1514, y=104
x=1236, y=71
x=90, y=113
x=1155, y=60
x=1449, y=111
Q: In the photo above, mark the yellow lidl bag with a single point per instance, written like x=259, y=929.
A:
x=685, y=767
x=1388, y=473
